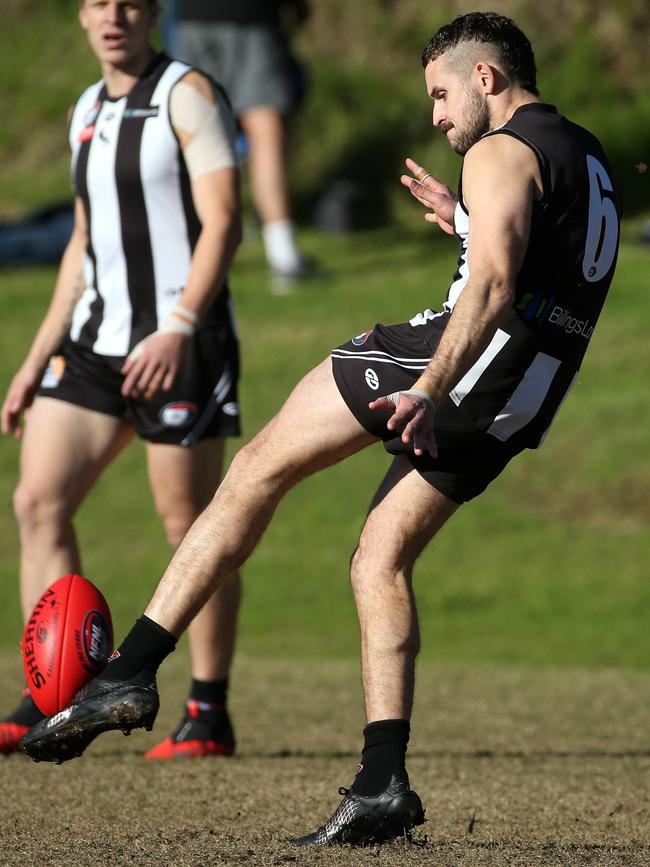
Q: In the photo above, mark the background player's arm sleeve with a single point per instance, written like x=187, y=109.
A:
x=205, y=127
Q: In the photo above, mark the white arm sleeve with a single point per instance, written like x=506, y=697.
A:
x=210, y=125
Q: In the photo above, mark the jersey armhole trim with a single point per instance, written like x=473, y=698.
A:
x=541, y=161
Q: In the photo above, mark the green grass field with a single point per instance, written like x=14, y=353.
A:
x=548, y=568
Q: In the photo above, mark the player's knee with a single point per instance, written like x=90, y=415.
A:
x=177, y=516
x=259, y=465
x=35, y=512
x=175, y=529
x=372, y=563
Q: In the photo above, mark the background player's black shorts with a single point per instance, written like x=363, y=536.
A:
x=391, y=358
x=202, y=402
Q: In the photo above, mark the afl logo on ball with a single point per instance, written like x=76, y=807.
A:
x=178, y=414
x=95, y=639
x=372, y=380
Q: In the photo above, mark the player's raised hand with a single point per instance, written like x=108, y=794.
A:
x=433, y=194
x=413, y=414
x=20, y=396
x=153, y=364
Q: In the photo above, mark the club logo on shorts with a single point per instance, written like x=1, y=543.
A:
x=372, y=380
x=54, y=372
x=360, y=339
x=178, y=414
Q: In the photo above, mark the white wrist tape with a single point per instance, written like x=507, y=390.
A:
x=179, y=321
x=411, y=392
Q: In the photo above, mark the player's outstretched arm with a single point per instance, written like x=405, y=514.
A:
x=436, y=197
x=67, y=290
x=205, y=129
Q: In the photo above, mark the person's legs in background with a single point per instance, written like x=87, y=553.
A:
x=183, y=481
x=64, y=450
x=251, y=63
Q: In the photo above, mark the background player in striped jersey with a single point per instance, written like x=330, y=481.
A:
x=141, y=328
x=454, y=395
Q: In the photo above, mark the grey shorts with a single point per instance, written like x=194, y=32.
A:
x=249, y=61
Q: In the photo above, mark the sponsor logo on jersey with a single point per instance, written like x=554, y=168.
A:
x=372, y=380
x=230, y=408
x=178, y=414
x=563, y=318
x=360, y=339
x=151, y=111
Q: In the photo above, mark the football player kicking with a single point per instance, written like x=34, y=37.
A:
x=454, y=395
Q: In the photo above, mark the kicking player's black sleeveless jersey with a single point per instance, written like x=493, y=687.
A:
x=518, y=384
x=129, y=171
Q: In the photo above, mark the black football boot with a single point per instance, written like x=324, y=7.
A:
x=102, y=705
x=363, y=820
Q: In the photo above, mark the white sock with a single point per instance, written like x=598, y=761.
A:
x=280, y=245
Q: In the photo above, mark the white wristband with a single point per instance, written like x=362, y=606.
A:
x=179, y=321
x=411, y=392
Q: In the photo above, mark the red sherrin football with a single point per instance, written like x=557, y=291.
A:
x=66, y=642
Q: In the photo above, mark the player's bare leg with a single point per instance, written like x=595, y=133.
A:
x=313, y=430
x=183, y=482
x=264, y=127
x=405, y=514
x=64, y=450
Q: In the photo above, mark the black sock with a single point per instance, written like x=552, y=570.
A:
x=384, y=753
x=26, y=714
x=210, y=692
x=144, y=648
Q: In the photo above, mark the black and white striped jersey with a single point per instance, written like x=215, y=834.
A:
x=518, y=384
x=129, y=171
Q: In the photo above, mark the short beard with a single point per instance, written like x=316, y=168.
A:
x=476, y=121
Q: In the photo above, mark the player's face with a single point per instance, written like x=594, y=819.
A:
x=118, y=30
x=460, y=110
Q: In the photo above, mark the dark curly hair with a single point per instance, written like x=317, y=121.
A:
x=512, y=45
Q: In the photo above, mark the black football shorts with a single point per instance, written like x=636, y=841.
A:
x=391, y=358
x=202, y=402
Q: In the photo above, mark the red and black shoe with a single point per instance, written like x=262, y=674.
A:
x=18, y=724
x=205, y=730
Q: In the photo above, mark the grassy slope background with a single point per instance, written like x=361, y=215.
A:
x=550, y=566
x=366, y=106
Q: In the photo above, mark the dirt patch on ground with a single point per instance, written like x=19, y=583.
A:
x=515, y=767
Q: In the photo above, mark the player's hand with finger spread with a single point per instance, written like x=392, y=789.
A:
x=414, y=414
x=433, y=194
